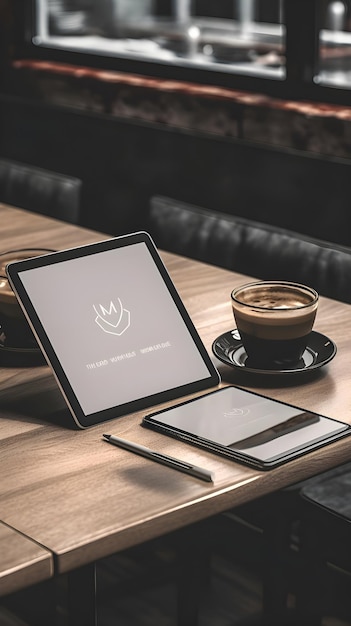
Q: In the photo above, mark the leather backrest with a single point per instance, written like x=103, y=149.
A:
x=40, y=190
x=330, y=491
x=249, y=247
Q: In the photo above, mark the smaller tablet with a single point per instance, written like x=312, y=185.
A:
x=112, y=326
x=247, y=427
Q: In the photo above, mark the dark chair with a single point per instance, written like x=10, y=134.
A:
x=249, y=247
x=304, y=527
x=39, y=190
x=323, y=588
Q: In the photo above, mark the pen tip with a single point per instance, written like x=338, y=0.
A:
x=106, y=436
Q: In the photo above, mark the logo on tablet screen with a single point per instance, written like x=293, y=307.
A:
x=234, y=412
x=113, y=319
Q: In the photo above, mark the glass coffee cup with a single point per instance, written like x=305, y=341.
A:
x=274, y=320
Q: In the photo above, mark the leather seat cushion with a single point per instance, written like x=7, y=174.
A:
x=331, y=492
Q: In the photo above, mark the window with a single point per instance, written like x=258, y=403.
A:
x=297, y=49
x=229, y=36
x=335, y=45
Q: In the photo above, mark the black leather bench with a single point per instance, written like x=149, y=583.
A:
x=40, y=190
x=251, y=247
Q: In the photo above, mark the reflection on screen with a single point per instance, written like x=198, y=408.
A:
x=250, y=424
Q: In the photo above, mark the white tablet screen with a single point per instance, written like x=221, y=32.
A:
x=114, y=326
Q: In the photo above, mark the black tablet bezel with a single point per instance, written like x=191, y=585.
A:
x=82, y=420
x=151, y=421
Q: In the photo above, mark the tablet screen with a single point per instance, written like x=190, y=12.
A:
x=112, y=326
x=248, y=426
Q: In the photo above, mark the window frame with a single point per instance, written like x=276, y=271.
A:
x=302, y=59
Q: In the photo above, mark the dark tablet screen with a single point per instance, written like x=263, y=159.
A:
x=112, y=326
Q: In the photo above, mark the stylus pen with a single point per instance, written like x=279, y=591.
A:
x=187, y=468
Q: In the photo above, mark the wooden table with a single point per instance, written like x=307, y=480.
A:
x=81, y=499
x=23, y=562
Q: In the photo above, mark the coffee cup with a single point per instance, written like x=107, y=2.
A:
x=274, y=320
x=12, y=320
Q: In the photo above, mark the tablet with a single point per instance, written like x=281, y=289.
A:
x=247, y=427
x=112, y=327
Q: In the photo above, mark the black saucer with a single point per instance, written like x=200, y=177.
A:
x=229, y=349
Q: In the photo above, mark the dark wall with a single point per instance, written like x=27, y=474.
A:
x=123, y=164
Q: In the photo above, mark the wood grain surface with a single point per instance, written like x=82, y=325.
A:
x=23, y=562
x=83, y=499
